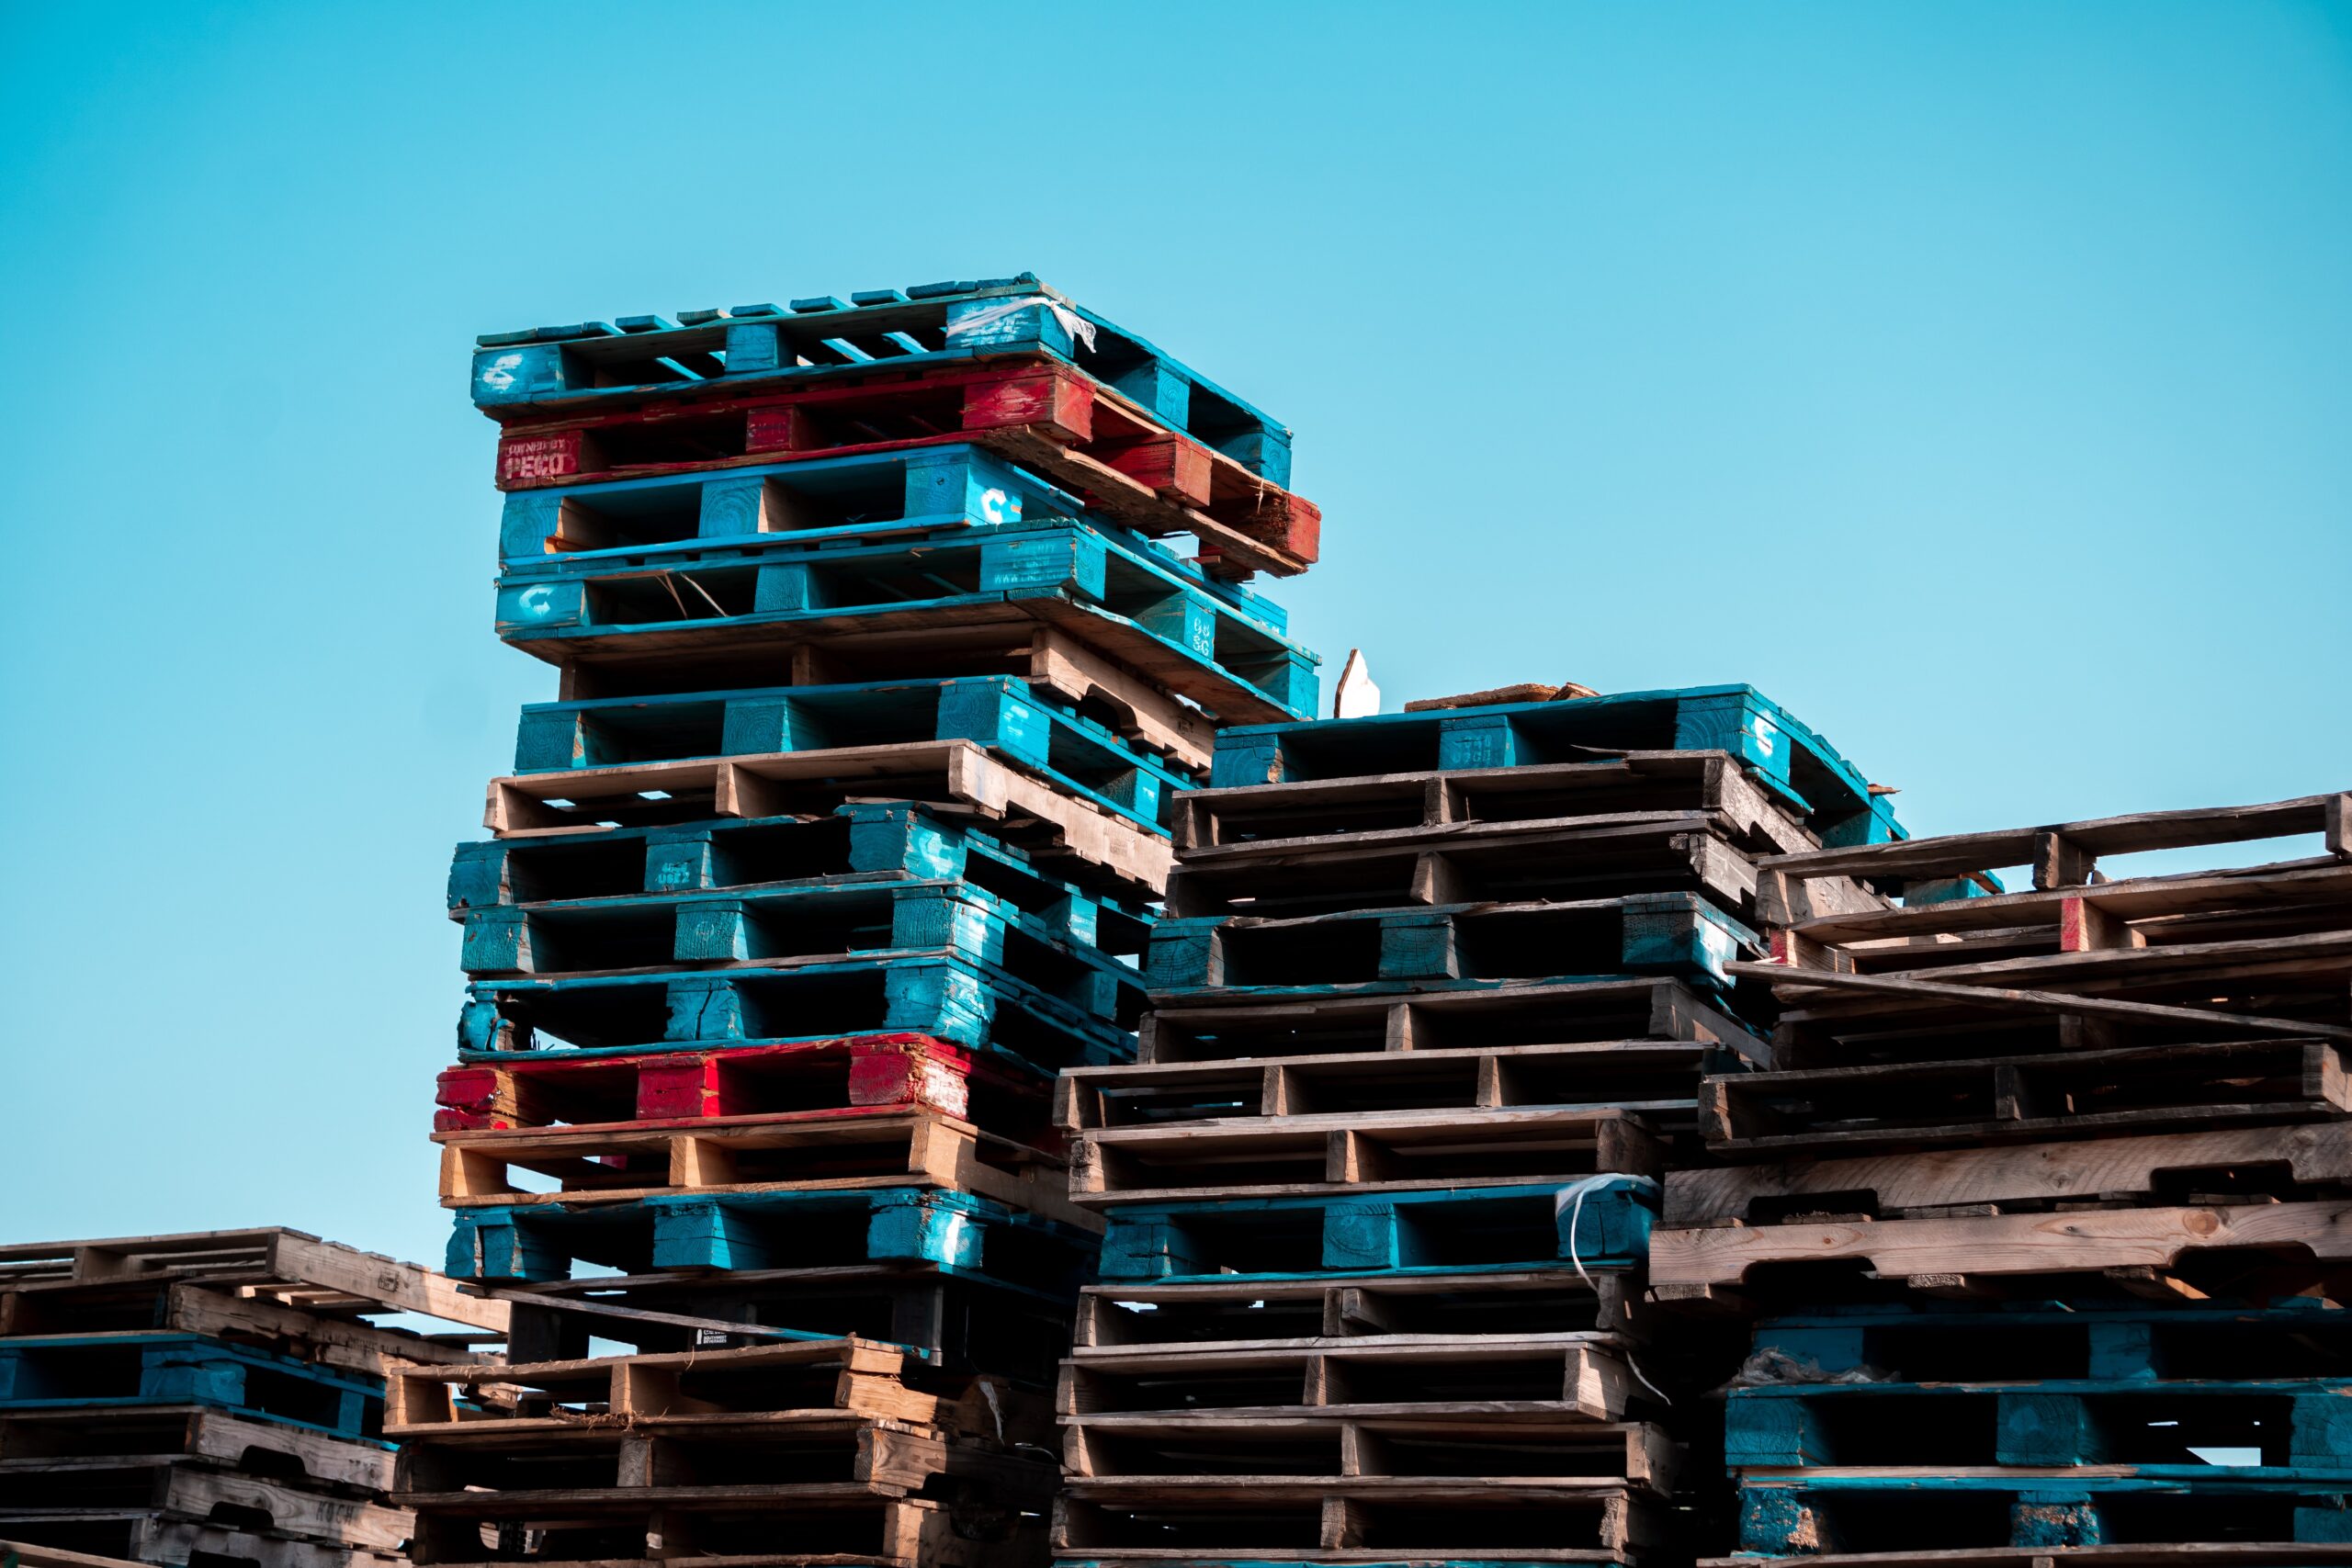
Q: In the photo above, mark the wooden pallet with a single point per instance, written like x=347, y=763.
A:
x=623, y=1163
x=1059, y=424
x=1946, y=1253
x=1311, y=1317
x=949, y=774
x=819, y=1525
x=39, y=1441
x=128, y=1370
x=1371, y=1519
x=1655, y=1077
x=1272, y=1157
x=1211, y=1450
x=524, y=375
x=1241, y=956
x=828, y=924
x=2264, y=1161
x=263, y=1267
x=2217, y=1554
x=1780, y=753
x=1057, y=744
x=938, y=993
x=1208, y=1028
x=1089, y=613
x=1582, y=1377
x=49, y=1501
x=868, y=843
x=1897, y=1105
x=2120, y=1427
x=849, y=1075
x=106, y=1538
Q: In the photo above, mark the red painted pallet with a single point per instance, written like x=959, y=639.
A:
x=853, y=1075
x=1052, y=419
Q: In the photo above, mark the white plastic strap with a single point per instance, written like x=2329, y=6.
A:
x=1571, y=1198
x=1077, y=326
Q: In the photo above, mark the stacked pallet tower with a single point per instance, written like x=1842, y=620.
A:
x=210, y=1399
x=880, y=672
x=1430, y=1014
x=2044, y=1213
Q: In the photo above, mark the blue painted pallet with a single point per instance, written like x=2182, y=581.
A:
x=942, y=994
x=2151, y=1428
x=1138, y=607
x=952, y=1233
x=1465, y=1230
x=838, y=922
x=1776, y=748
x=1238, y=958
x=541, y=368
x=869, y=839
x=1003, y=714
x=2107, y=1341
x=77, y=1371
x=1801, y=1516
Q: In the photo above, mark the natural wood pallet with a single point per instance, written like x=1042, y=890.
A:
x=1272, y=1156
x=269, y=1265
x=36, y=1440
x=2292, y=898
x=620, y=1163
x=1474, y=1446
x=829, y=1525
x=1236, y=824
x=1579, y=1376
x=1208, y=1028
x=946, y=774
x=1373, y=1519
x=137, y=1536
x=2063, y=855
x=2193, y=1084
x=199, y=1495
x=1316, y=1315
x=1956, y=1249
x=1655, y=1077
x=2117, y=1170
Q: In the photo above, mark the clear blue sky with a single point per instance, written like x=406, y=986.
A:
x=1976, y=380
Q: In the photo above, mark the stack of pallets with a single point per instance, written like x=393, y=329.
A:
x=2046, y=1202
x=214, y=1398
x=1430, y=1014
x=880, y=672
